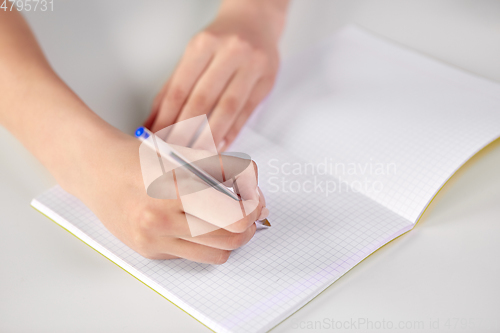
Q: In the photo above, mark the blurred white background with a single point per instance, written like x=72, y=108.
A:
x=117, y=54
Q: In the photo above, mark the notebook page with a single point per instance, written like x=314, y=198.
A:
x=315, y=239
x=392, y=123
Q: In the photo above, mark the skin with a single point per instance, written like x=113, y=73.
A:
x=100, y=165
x=226, y=70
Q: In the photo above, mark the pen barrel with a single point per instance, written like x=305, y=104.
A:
x=144, y=134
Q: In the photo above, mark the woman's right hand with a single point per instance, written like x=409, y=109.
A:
x=113, y=188
x=100, y=165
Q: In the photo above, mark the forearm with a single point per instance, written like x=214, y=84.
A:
x=39, y=109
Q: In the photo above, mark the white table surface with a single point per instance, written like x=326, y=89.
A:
x=115, y=54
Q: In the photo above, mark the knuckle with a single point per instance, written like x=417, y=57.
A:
x=230, y=104
x=153, y=220
x=237, y=45
x=200, y=101
x=203, y=40
x=177, y=95
x=148, y=219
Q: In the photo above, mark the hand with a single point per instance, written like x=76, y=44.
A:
x=100, y=165
x=226, y=70
x=159, y=228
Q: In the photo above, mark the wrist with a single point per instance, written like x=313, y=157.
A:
x=270, y=14
x=92, y=154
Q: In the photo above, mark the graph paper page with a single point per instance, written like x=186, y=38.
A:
x=386, y=119
x=314, y=239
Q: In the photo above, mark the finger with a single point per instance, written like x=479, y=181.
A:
x=262, y=88
x=166, y=248
x=211, y=84
x=194, y=61
x=160, y=256
x=262, y=196
x=253, y=213
x=229, y=105
x=209, y=205
x=151, y=118
x=245, y=183
x=223, y=239
x=179, y=224
x=219, y=210
x=156, y=106
x=264, y=213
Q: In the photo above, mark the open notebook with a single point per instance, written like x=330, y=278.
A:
x=353, y=143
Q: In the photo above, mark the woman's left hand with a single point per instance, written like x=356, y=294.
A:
x=226, y=71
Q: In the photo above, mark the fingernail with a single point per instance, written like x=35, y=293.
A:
x=221, y=145
x=264, y=213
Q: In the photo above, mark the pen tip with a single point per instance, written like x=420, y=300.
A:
x=265, y=222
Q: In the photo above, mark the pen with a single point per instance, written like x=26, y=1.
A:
x=143, y=134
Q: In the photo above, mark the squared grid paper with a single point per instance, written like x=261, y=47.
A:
x=353, y=99
x=359, y=100
x=314, y=240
